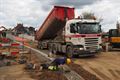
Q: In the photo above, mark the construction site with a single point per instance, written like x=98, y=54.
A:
x=63, y=48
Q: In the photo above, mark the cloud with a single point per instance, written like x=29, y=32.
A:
x=31, y=12
x=75, y=3
x=26, y=11
x=108, y=10
x=34, y=12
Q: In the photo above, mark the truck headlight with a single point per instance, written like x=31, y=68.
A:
x=81, y=48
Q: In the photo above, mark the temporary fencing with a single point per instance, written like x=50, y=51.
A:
x=9, y=49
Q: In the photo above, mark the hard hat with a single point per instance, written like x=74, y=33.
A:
x=68, y=61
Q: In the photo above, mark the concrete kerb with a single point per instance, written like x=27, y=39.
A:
x=42, y=54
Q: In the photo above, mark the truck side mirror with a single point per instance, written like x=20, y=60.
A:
x=100, y=28
x=72, y=28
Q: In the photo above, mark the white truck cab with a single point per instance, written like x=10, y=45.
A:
x=84, y=35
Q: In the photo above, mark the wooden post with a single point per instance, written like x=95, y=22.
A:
x=107, y=47
x=30, y=55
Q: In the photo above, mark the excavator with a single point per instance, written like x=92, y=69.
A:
x=114, y=37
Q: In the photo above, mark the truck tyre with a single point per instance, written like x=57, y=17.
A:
x=110, y=48
x=54, y=49
x=50, y=48
x=41, y=47
x=38, y=46
x=69, y=52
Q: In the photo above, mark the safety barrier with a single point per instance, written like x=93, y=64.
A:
x=10, y=49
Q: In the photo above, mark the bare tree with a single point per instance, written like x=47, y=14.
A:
x=88, y=15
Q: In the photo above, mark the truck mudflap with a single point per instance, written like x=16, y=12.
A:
x=86, y=52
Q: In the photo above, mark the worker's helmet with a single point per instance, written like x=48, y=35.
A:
x=68, y=61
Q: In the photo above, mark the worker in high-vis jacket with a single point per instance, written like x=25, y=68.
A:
x=57, y=63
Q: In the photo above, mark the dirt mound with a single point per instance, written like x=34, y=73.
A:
x=82, y=72
x=52, y=75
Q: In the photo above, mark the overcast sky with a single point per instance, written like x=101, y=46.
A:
x=34, y=12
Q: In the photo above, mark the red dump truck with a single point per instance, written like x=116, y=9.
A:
x=62, y=32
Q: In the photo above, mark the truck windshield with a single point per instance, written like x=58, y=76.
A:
x=88, y=28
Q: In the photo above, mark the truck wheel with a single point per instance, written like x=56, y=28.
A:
x=110, y=48
x=50, y=48
x=54, y=50
x=38, y=46
x=41, y=47
x=69, y=52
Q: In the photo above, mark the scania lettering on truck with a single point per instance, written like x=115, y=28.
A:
x=61, y=32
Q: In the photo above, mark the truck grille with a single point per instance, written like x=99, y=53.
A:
x=91, y=43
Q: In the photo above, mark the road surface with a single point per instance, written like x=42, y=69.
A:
x=106, y=66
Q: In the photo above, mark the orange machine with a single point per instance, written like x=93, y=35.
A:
x=114, y=37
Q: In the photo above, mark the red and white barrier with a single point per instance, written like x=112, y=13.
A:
x=10, y=45
x=9, y=52
x=15, y=44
